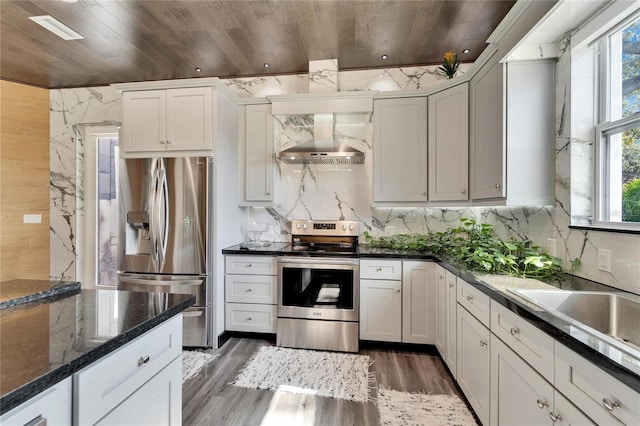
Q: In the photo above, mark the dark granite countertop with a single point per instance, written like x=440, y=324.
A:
x=16, y=292
x=45, y=341
x=622, y=366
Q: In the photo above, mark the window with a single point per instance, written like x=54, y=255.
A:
x=618, y=131
x=100, y=242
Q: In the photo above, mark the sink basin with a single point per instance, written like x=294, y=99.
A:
x=612, y=316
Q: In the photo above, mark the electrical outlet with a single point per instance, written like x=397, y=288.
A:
x=390, y=230
x=32, y=218
x=604, y=260
x=551, y=247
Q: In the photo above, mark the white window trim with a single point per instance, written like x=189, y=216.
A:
x=89, y=251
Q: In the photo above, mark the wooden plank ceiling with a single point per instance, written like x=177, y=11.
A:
x=128, y=40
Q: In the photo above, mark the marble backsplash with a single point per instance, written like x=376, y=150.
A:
x=340, y=192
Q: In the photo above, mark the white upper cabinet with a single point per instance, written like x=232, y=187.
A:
x=512, y=136
x=487, y=137
x=168, y=120
x=449, y=144
x=400, y=151
x=257, y=155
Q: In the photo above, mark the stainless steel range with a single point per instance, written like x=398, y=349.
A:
x=318, y=293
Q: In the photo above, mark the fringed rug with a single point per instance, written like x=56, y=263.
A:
x=404, y=408
x=329, y=374
x=193, y=361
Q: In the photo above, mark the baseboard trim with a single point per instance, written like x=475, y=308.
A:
x=405, y=347
x=226, y=335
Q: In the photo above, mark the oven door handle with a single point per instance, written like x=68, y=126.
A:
x=317, y=260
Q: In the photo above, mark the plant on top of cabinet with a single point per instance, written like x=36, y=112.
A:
x=477, y=248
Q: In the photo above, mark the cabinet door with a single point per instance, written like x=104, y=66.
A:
x=451, y=319
x=143, y=122
x=381, y=310
x=190, y=119
x=53, y=406
x=400, y=150
x=487, y=134
x=158, y=402
x=473, y=362
x=258, y=153
x=449, y=144
x=441, y=310
x=566, y=414
x=519, y=395
x=418, y=302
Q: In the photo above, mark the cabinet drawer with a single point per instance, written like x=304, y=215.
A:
x=251, y=318
x=251, y=289
x=592, y=390
x=381, y=269
x=475, y=301
x=53, y=405
x=533, y=345
x=250, y=265
x=103, y=385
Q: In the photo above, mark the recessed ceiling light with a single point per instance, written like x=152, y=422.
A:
x=58, y=28
x=198, y=69
x=266, y=65
x=385, y=56
x=465, y=51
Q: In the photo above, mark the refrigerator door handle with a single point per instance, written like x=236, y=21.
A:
x=163, y=204
x=160, y=282
x=154, y=217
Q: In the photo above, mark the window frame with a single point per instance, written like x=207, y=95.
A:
x=605, y=127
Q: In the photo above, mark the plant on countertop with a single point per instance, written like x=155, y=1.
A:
x=450, y=64
x=474, y=245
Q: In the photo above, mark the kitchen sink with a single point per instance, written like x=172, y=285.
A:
x=615, y=317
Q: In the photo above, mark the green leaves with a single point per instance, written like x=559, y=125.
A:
x=474, y=245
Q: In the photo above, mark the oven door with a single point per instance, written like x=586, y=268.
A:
x=318, y=288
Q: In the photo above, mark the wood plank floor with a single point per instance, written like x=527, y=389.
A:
x=209, y=399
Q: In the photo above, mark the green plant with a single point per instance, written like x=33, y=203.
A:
x=631, y=201
x=450, y=65
x=474, y=245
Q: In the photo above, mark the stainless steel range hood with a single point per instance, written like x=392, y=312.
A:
x=323, y=148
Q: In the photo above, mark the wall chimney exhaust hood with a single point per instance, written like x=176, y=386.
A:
x=323, y=148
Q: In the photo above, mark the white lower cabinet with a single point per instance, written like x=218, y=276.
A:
x=602, y=397
x=381, y=310
x=521, y=396
x=418, y=302
x=397, y=301
x=142, y=366
x=251, y=293
x=473, y=362
x=158, y=402
x=441, y=309
x=49, y=407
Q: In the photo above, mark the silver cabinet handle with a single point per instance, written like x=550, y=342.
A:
x=267, y=193
x=249, y=290
x=168, y=142
x=497, y=186
x=378, y=269
x=542, y=404
x=483, y=343
x=514, y=331
x=397, y=291
x=38, y=421
x=470, y=298
x=610, y=405
x=555, y=417
x=249, y=318
x=162, y=142
x=143, y=359
x=450, y=285
x=249, y=265
x=464, y=191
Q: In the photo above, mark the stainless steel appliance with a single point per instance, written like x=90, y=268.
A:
x=165, y=234
x=318, y=287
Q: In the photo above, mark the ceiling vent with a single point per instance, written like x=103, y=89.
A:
x=58, y=28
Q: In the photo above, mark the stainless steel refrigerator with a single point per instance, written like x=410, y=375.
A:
x=166, y=234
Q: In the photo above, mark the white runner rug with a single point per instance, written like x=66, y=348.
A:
x=404, y=408
x=193, y=361
x=329, y=374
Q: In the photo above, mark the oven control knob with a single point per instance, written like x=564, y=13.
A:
x=344, y=227
x=350, y=227
x=304, y=226
x=297, y=226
